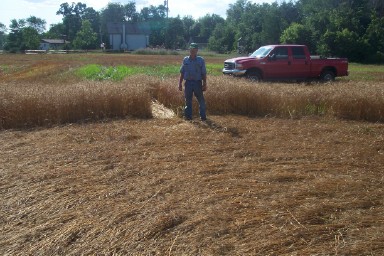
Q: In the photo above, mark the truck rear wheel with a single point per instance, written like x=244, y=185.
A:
x=327, y=76
x=254, y=76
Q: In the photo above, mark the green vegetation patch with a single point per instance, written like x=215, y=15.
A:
x=356, y=67
x=9, y=69
x=363, y=72
x=99, y=73
x=215, y=69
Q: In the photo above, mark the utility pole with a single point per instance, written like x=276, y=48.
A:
x=166, y=6
x=166, y=22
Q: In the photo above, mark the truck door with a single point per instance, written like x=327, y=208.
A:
x=300, y=63
x=277, y=65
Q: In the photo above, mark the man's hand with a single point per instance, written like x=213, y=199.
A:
x=204, y=87
x=180, y=86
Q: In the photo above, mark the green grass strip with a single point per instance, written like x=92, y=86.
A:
x=118, y=73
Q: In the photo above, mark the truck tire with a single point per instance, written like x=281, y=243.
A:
x=254, y=76
x=327, y=76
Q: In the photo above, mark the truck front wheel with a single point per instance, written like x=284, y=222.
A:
x=327, y=76
x=254, y=76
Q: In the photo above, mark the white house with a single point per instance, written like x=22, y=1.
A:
x=128, y=36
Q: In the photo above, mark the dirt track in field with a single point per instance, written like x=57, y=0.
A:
x=233, y=186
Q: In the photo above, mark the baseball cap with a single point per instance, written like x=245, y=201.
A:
x=193, y=46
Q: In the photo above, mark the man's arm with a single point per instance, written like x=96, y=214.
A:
x=204, y=76
x=204, y=82
x=181, y=81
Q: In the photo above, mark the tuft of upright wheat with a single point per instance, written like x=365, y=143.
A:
x=31, y=105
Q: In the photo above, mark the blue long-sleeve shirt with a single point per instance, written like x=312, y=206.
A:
x=193, y=69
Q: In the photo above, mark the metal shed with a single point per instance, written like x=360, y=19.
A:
x=128, y=36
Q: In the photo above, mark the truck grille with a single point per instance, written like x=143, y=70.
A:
x=229, y=65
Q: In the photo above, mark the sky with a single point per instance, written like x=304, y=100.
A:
x=46, y=9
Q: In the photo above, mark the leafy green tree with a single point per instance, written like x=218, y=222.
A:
x=298, y=34
x=145, y=14
x=14, y=42
x=249, y=28
x=72, y=18
x=222, y=39
x=258, y=25
x=188, y=23
x=114, y=12
x=375, y=38
x=157, y=37
x=343, y=43
x=93, y=17
x=130, y=12
x=25, y=34
x=30, y=39
x=316, y=15
x=159, y=12
x=208, y=24
x=236, y=11
x=56, y=31
x=174, y=38
x=3, y=30
x=289, y=13
x=195, y=29
x=338, y=27
x=152, y=13
x=37, y=24
x=271, y=24
x=377, y=6
x=351, y=15
x=85, y=39
x=159, y=25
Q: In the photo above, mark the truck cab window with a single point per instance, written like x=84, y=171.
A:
x=298, y=53
x=280, y=53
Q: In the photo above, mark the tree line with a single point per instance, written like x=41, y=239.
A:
x=344, y=28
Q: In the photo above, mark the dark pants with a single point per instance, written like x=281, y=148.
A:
x=194, y=88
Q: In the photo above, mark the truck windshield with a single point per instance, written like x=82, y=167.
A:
x=261, y=52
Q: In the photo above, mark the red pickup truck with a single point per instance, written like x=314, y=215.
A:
x=286, y=62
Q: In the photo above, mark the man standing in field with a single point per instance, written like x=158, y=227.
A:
x=194, y=72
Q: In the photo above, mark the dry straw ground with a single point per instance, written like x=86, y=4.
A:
x=308, y=183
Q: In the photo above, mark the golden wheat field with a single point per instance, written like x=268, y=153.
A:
x=111, y=168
